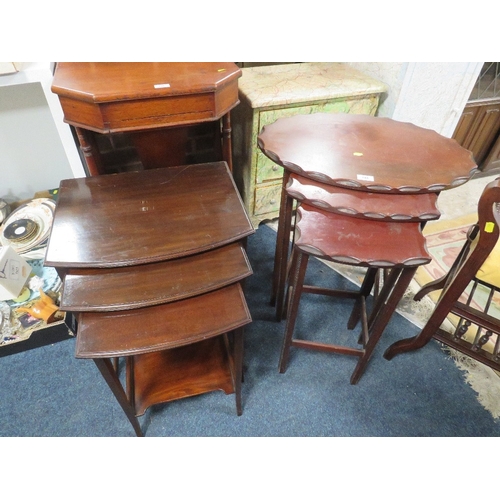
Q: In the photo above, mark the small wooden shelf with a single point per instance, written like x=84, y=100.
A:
x=174, y=350
x=182, y=372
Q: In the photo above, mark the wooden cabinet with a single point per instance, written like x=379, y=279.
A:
x=271, y=92
x=155, y=104
x=478, y=130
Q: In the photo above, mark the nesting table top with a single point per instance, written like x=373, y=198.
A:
x=367, y=153
x=148, y=216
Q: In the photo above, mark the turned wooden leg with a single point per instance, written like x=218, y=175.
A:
x=227, y=149
x=90, y=151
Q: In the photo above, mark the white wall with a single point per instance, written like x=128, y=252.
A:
x=31, y=156
x=392, y=74
x=37, y=149
x=430, y=95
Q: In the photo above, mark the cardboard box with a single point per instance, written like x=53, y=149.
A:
x=14, y=272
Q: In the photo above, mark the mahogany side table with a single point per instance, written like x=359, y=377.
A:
x=357, y=242
x=155, y=102
x=173, y=350
x=367, y=153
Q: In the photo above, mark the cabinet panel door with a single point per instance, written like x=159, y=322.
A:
x=478, y=129
x=464, y=131
x=487, y=130
x=493, y=159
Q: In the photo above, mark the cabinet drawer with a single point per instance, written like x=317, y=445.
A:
x=267, y=199
x=266, y=169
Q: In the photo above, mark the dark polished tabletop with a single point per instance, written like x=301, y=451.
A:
x=147, y=216
x=365, y=205
x=367, y=153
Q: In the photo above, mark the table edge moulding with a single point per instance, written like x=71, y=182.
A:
x=156, y=283
x=271, y=92
x=361, y=204
x=114, y=333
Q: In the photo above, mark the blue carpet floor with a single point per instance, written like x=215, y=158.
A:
x=47, y=392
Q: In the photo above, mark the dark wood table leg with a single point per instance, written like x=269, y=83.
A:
x=238, y=336
x=282, y=249
x=298, y=271
x=366, y=288
x=383, y=314
x=105, y=366
x=383, y=294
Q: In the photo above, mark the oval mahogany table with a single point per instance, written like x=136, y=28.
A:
x=367, y=153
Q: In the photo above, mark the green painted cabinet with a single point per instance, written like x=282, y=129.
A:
x=272, y=92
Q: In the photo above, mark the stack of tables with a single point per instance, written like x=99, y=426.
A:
x=153, y=264
x=360, y=167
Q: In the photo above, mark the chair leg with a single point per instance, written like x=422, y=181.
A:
x=297, y=281
x=439, y=314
